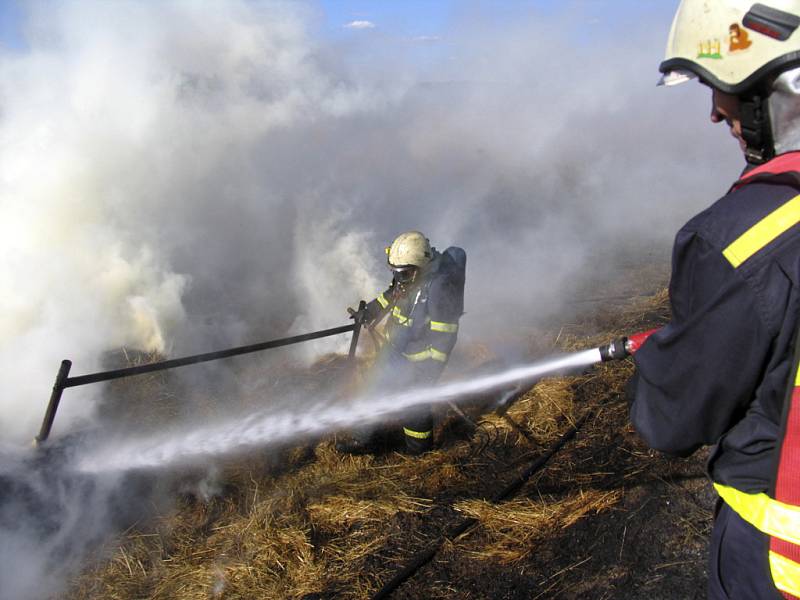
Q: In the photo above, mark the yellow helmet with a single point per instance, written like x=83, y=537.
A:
x=732, y=45
x=750, y=50
x=408, y=249
x=408, y=254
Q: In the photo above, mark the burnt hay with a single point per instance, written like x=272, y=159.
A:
x=605, y=518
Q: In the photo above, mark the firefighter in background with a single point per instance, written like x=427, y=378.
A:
x=423, y=305
x=721, y=372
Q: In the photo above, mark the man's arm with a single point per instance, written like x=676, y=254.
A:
x=378, y=306
x=697, y=375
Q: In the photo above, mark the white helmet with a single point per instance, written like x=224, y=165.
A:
x=739, y=47
x=408, y=249
x=408, y=254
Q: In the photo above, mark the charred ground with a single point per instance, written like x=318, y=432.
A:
x=604, y=518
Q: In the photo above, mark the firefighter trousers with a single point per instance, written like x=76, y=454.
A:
x=395, y=374
x=738, y=560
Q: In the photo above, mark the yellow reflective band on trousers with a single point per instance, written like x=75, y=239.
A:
x=776, y=519
x=430, y=352
x=383, y=301
x=785, y=573
x=438, y=354
x=444, y=327
x=765, y=514
x=420, y=435
x=763, y=232
x=401, y=318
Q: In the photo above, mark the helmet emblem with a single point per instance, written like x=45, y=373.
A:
x=709, y=49
x=738, y=38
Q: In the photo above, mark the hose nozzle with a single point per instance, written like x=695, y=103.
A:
x=624, y=346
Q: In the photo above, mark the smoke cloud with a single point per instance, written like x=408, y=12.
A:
x=178, y=177
x=181, y=177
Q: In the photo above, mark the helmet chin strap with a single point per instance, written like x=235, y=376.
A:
x=756, y=127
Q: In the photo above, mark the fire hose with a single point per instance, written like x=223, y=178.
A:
x=616, y=350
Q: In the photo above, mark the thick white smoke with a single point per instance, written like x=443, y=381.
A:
x=180, y=177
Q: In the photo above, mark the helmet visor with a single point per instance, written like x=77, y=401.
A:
x=404, y=274
x=676, y=77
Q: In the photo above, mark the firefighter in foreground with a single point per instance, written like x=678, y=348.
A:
x=722, y=372
x=423, y=305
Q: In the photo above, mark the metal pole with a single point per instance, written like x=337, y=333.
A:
x=356, y=330
x=199, y=358
x=52, y=406
x=64, y=381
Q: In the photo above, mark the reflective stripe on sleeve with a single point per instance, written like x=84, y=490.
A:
x=762, y=233
x=401, y=318
x=383, y=301
x=420, y=435
x=444, y=327
x=769, y=516
x=785, y=573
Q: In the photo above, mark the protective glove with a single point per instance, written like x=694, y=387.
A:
x=359, y=316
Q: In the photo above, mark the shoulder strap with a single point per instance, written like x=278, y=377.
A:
x=784, y=168
x=784, y=554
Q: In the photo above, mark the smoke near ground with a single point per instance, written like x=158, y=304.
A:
x=179, y=177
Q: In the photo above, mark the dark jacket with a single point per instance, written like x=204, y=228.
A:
x=718, y=372
x=423, y=319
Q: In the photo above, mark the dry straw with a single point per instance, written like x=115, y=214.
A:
x=302, y=521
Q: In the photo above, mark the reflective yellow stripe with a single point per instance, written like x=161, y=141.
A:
x=383, y=301
x=770, y=516
x=763, y=232
x=438, y=354
x=401, y=318
x=445, y=327
x=426, y=354
x=420, y=435
x=785, y=573
x=418, y=356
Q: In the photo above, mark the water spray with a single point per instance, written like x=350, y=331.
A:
x=326, y=414
x=616, y=350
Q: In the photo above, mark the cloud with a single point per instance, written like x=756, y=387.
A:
x=360, y=24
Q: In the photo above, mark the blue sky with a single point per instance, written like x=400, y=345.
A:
x=434, y=18
x=10, y=17
x=424, y=19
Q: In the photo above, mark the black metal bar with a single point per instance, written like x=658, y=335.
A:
x=463, y=416
x=199, y=358
x=518, y=428
x=516, y=394
x=356, y=329
x=55, y=398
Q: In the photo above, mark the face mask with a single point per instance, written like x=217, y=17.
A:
x=404, y=275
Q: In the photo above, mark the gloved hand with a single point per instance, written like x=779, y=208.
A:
x=359, y=316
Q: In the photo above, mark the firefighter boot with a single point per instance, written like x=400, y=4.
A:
x=353, y=446
x=418, y=432
x=361, y=441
